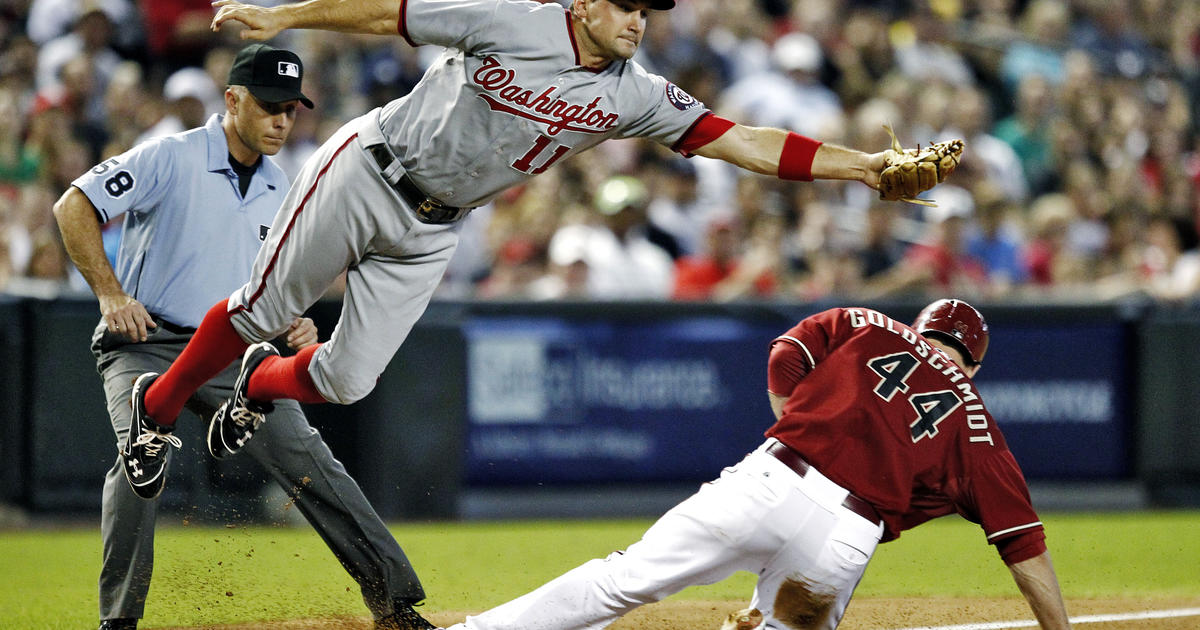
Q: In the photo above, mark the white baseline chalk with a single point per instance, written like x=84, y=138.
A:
x=1005, y=625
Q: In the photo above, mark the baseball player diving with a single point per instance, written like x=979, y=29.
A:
x=519, y=87
x=197, y=205
x=879, y=428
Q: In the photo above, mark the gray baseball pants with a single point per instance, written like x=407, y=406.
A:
x=286, y=446
x=342, y=215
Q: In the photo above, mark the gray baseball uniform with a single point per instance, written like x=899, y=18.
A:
x=180, y=196
x=505, y=101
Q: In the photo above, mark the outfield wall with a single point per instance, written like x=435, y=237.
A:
x=508, y=400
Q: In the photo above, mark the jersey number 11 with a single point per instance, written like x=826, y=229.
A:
x=526, y=162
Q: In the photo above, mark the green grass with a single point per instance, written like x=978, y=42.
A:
x=206, y=575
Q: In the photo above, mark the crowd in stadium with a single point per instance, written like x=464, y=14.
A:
x=1080, y=181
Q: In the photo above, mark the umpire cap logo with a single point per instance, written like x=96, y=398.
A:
x=289, y=69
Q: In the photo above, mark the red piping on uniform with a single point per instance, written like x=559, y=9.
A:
x=402, y=23
x=682, y=144
x=570, y=33
x=262, y=285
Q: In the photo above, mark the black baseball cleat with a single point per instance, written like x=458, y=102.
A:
x=238, y=418
x=118, y=624
x=404, y=617
x=144, y=458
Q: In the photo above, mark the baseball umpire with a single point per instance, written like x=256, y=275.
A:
x=878, y=429
x=197, y=205
x=519, y=87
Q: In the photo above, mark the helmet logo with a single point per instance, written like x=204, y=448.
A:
x=961, y=329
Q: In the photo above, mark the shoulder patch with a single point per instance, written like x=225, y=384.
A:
x=680, y=99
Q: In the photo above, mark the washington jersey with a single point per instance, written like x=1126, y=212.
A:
x=508, y=98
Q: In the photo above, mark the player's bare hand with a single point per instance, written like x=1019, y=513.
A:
x=126, y=317
x=260, y=22
x=302, y=333
x=874, y=166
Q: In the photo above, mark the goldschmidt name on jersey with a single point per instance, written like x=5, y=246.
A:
x=977, y=420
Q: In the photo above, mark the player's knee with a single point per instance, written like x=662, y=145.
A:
x=252, y=331
x=345, y=391
x=802, y=605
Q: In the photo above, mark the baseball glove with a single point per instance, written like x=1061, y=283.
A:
x=908, y=173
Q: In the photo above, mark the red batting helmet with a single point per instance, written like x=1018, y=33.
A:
x=958, y=323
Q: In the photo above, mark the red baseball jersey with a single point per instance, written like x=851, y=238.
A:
x=877, y=409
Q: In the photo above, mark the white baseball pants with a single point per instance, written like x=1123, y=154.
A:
x=807, y=549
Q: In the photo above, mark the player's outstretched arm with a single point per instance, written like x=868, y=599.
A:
x=80, y=229
x=380, y=17
x=762, y=150
x=1039, y=584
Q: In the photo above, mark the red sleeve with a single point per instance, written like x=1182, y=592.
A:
x=1020, y=548
x=787, y=364
x=795, y=353
x=998, y=499
x=707, y=128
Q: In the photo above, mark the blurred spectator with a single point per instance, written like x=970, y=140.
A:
x=737, y=31
x=1047, y=259
x=49, y=19
x=880, y=249
x=1088, y=234
x=789, y=95
x=1045, y=26
x=68, y=105
x=996, y=242
x=1107, y=33
x=188, y=94
x=18, y=161
x=678, y=212
x=1083, y=114
x=862, y=56
x=718, y=273
x=177, y=31
x=390, y=69
x=970, y=118
x=90, y=37
x=622, y=262
x=1027, y=131
x=128, y=109
x=6, y=270
x=1172, y=262
x=939, y=264
x=669, y=50
x=922, y=52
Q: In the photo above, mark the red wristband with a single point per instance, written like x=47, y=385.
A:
x=796, y=159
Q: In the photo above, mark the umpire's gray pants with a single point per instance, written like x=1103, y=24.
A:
x=285, y=446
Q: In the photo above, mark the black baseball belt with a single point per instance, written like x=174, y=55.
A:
x=427, y=209
x=792, y=459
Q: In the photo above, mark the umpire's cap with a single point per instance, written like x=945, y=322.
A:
x=272, y=75
x=956, y=323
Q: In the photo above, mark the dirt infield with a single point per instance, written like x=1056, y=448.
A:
x=864, y=614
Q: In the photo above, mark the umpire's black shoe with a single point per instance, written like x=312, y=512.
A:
x=118, y=624
x=238, y=418
x=404, y=618
x=144, y=457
